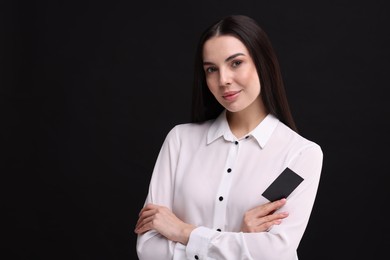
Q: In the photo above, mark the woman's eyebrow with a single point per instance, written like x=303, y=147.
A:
x=227, y=59
x=233, y=56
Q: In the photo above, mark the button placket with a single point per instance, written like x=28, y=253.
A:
x=224, y=187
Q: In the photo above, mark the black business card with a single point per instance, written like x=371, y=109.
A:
x=283, y=185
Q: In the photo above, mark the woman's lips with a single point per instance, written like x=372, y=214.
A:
x=231, y=95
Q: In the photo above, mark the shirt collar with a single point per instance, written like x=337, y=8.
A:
x=262, y=133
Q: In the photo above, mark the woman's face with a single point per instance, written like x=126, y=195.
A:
x=230, y=72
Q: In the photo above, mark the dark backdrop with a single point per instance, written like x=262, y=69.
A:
x=89, y=89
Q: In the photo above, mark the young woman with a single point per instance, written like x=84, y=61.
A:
x=205, y=198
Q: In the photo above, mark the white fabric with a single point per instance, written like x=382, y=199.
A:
x=191, y=174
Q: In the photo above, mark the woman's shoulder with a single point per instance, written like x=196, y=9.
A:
x=192, y=126
x=192, y=130
x=297, y=139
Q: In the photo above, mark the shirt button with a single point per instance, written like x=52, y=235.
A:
x=221, y=198
x=236, y=142
x=219, y=230
x=229, y=170
x=196, y=257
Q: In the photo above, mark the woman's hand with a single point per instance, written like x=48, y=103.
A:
x=262, y=218
x=161, y=219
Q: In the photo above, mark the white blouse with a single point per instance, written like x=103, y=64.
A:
x=209, y=178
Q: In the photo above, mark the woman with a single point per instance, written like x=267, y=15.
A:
x=205, y=198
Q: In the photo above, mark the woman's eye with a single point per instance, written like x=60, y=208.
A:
x=236, y=63
x=210, y=69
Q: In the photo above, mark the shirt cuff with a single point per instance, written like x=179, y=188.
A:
x=199, y=242
x=180, y=252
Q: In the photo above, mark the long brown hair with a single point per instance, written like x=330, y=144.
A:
x=247, y=30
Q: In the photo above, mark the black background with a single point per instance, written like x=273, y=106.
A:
x=89, y=89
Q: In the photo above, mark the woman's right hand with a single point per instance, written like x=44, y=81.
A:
x=164, y=221
x=263, y=217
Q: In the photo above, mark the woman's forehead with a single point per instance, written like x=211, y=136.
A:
x=221, y=47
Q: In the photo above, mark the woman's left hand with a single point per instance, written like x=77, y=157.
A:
x=263, y=217
x=162, y=219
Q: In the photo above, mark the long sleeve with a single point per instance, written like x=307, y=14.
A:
x=152, y=245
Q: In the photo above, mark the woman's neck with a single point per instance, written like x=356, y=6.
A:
x=243, y=122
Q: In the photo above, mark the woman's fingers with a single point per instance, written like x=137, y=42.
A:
x=165, y=222
x=144, y=225
x=271, y=207
x=258, y=224
x=146, y=216
x=263, y=217
x=265, y=209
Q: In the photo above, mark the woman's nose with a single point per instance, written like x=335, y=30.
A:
x=225, y=77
